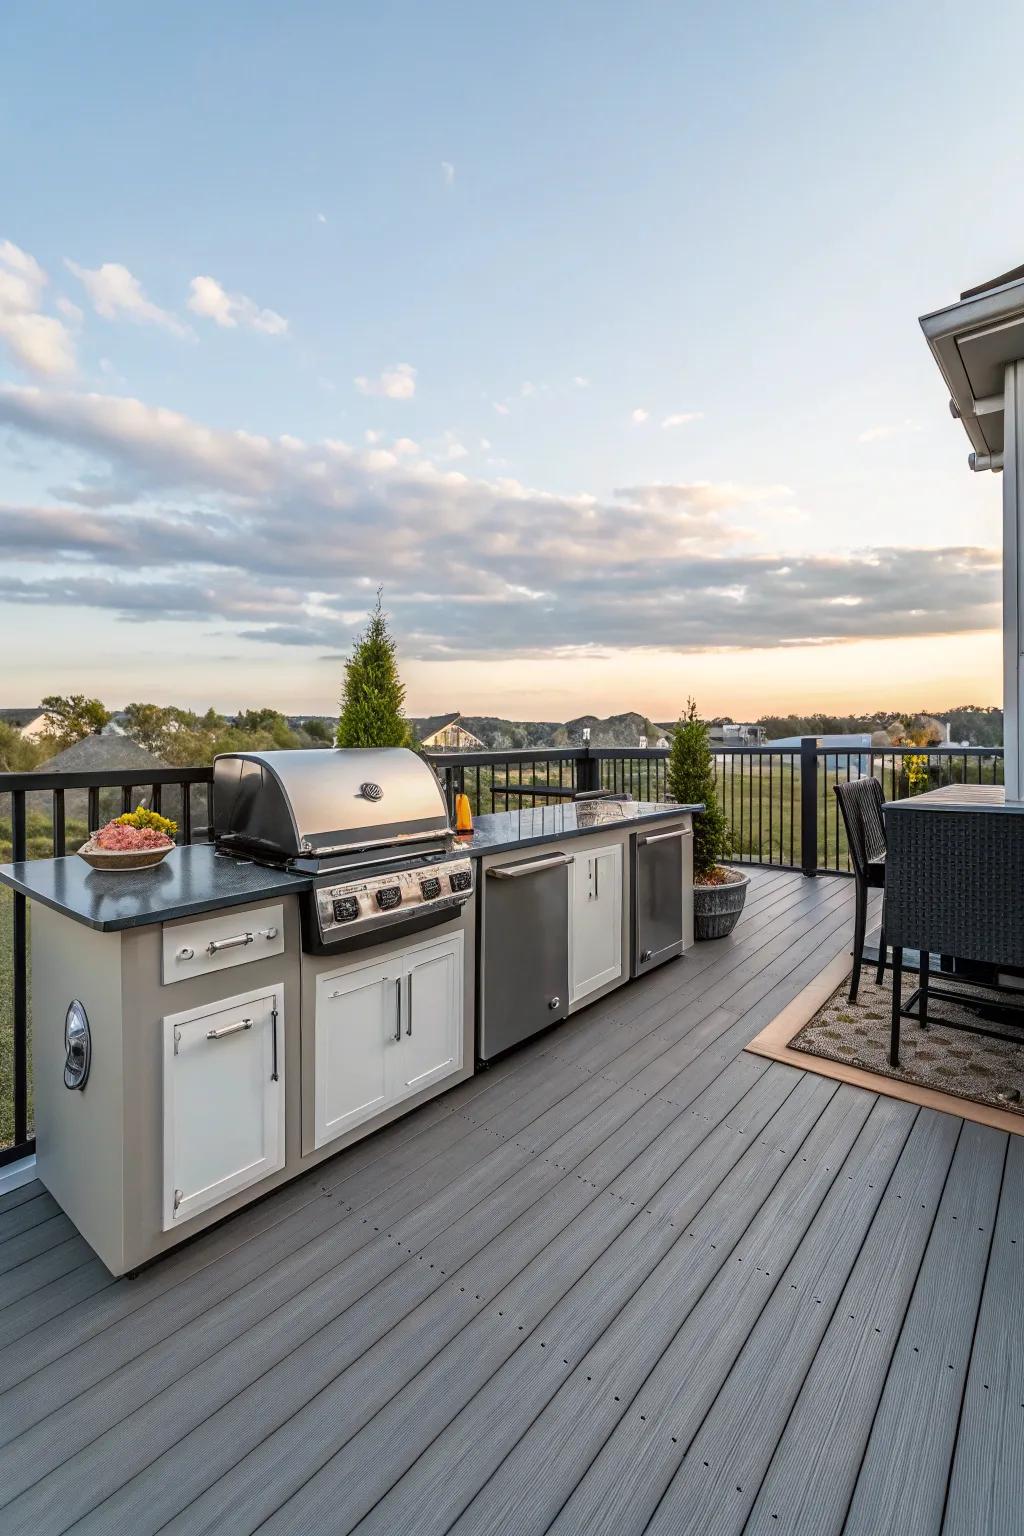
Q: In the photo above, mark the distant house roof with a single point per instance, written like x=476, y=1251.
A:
x=434, y=723
x=100, y=752
x=21, y=717
x=445, y=732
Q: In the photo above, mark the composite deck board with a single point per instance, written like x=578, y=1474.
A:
x=985, y=1487
x=546, y=1299
x=810, y=1481
x=903, y=1478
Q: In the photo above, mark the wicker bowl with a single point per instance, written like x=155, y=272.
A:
x=122, y=860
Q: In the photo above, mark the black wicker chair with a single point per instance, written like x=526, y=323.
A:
x=861, y=802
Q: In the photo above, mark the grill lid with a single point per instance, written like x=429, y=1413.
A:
x=322, y=801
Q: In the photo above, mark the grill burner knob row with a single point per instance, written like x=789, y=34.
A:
x=346, y=910
x=388, y=897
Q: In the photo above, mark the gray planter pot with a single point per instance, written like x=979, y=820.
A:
x=716, y=908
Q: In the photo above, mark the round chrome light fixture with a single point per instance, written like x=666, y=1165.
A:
x=77, y=1046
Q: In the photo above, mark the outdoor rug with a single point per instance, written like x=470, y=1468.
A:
x=976, y=1076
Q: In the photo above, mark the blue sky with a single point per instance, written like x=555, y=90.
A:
x=632, y=293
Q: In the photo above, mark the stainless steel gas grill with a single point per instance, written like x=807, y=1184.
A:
x=370, y=825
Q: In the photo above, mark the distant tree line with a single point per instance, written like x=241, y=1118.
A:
x=977, y=724
x=179, y=737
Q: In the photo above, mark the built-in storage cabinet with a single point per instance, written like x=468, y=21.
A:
x=385, y=1030
x=223, y=1101
x=431, y=1017
x=595, y=920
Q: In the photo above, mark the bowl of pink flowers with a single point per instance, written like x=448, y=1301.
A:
x=136, y=840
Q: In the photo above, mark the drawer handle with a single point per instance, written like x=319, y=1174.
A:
x=229, y=1029
x=663, y=837
x=238, y=942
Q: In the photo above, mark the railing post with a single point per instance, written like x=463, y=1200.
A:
x=588, y=769
x=809, y=805
x=19, y=934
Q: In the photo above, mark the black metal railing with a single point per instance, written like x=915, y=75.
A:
x=779, y=802
x=42, y=815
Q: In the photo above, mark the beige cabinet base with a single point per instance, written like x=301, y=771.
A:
x=100, y=1149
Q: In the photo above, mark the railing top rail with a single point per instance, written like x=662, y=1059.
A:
x=505, y=755
x=105, y=778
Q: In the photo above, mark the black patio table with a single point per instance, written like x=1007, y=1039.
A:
x=954, y=887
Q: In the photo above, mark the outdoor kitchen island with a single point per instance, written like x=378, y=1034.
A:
x=201, y=1033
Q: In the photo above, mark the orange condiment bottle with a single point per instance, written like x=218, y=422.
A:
x=463, y=814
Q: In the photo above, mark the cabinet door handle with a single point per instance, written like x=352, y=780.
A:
x=239, y=940
x=534, y=867
x=663, y=837
x=273, y=1026
x=398, y=1008
x=597, y=877
x=408, y=1004
x=229, y=1029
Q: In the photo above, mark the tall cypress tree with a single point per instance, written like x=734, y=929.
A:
x=373, y=695
x=691, y=778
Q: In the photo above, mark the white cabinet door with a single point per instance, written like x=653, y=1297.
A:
x=431, y=1046
x=595, y=920
x=223, y=1101
x=355, y=1035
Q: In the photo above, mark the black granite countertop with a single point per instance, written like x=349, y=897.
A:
x=988, y=798
x=506, y=830
x=189, y=881
x=195, y=879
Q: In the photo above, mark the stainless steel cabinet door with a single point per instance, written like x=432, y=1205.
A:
x=524, y=975
x=223, y=1101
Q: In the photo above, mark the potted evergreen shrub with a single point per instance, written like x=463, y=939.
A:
x=718, y=893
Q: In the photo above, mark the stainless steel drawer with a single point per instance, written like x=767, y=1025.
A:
x=217, y=941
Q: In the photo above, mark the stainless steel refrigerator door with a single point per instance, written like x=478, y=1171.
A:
x=524, y=955
x=657, y=897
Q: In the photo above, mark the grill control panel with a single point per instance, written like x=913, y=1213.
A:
x=379, y=900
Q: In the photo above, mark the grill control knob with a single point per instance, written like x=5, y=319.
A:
x=461, y=880
x=388, y=897
x=431, y=888
x=346, y=909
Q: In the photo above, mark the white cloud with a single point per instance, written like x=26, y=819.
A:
x=894, y=429
x=38, y=342
x=114, y=291
x=447, y=172
x=395, y=383
x=404, y=447
x=69, y=310
x=639, y=415
x=259, y=524
x=581, y=381
x=372, y=435
x=682, y=418
x=501, y=408
x=321, y=218
x=208, y=298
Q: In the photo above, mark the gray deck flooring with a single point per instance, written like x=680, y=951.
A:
x=631, y=1279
